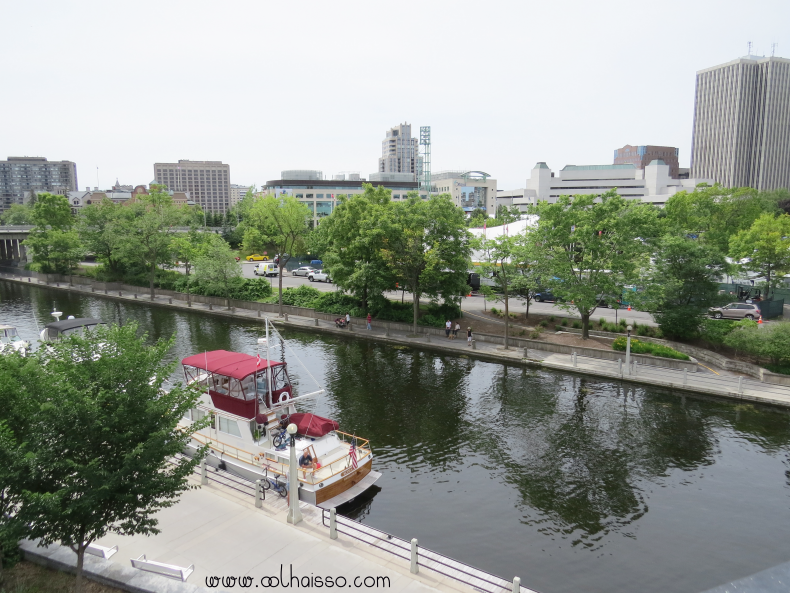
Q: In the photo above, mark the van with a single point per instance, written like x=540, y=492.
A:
x=266, y=268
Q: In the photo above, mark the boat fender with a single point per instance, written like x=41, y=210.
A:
x=282, y=397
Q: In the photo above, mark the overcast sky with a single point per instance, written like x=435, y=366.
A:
x=266, y=86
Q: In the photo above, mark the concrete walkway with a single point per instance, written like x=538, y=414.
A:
x=724, y=384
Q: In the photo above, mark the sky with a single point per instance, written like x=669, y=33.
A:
x=266, y=86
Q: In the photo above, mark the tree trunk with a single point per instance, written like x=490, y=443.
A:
x=507, y=316
x=282, y=267
x=526, y=316
x=153, y=277
x=80, y=562
x=585, y=326
x=415, y=305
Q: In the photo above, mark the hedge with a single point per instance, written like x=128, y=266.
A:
x=638, y=347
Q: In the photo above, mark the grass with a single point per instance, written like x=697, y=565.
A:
x=638, y=347
x=27, y=577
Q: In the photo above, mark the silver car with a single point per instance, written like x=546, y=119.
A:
x=303, y=271
x=736, y=311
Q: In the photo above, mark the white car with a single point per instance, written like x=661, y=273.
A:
x=303, y=271
x=319, y=276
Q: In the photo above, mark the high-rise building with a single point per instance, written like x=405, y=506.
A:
x=21, y=175
x=237, y=193
x=208, y=182
x=400, y=153
x=741, y=132
x=641, y=156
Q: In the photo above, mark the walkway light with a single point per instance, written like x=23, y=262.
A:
x=294, y=512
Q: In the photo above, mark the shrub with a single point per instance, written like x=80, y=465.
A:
x=513, y=315
x=535, y=334
x=623, y=323
x=303, y=296
x=643, y=330
x=543, y=323
x=552, y=318
x=602, y=322
x=714, y=331
x=638, y=347
x=564, y=323
x=577, y=325
x=495, y=311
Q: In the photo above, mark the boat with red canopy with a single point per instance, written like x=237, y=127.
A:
x=250, y=400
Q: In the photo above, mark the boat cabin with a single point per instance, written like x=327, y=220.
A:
x=239, y=384
x=58, y=329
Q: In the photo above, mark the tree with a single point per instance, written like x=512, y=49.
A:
x=55, y=245
x=427, y=248
x=682, y=284
x=102, y=444
x=498, y=266
x=17, y=214
x=765, y=247
x=506, y=215
x=590, y=248
x=11, y=488
x=99, y=228
x=282, y=223
x=187, y=248
x=217, y=269
x=147, y=231
x=526, y=261
x=771, y=341
x=351, y=241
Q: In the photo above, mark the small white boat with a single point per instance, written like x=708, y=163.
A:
x=250, y=399
x=57, y=329
x=11, y=342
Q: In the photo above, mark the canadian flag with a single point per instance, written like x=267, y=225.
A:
x=258, y=363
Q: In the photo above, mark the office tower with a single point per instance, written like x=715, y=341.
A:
x=741, y=134
x=21, y=175
x=208, y=182
x=641, y=156
x=400, y=153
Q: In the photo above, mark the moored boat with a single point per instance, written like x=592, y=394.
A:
x=250, y=400
x=11, y=342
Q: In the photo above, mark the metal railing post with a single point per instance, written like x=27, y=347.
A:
x=620, y=366
x=428, y=338
x=203, y=473
x=258, y=489
x=332, y=523
x=685, y=376
x=516, y=585
x=414, y=569
x=286, y=316
x=259, y=312
x=316, y=321
x=574, y=358
x=387, y=331
x=740, y=384
x=474, y=344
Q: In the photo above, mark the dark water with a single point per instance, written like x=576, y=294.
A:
x=574, y=484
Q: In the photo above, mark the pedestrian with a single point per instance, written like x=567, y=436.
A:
x=348, y=320
x=468, y=336
x=455, y=330
x=447, y=328
x=369, y=320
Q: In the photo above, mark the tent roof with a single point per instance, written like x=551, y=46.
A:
x=228, y=364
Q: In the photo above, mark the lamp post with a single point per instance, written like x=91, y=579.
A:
x=294, y=512
x=628, y=352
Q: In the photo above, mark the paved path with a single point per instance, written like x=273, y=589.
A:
x=722, y=384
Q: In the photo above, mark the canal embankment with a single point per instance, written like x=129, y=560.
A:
x=743, y=381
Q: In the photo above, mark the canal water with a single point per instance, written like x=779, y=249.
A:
x=574, y=484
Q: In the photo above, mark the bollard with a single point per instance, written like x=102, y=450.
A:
x=120, y=293
x=516, y=585
x=574, y=359
x=316, y=321
x=286, y=316
x=210, y=307
x=333, y=523
x=740, y=384
x=474, y=344
x=28, y=279
x=135, y=295
x=414, y=568
x=203, y=474
x=685, y=376
x=428, y=338
x=93, y=289
x=258, y=489
x=526, y=352
x=189, y=303
x=634, y=371
x=259, y=312
x=387, y=331
x=170, y=301
x=619, y=366
x=105, y=291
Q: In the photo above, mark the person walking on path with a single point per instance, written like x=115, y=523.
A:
x=468, y=336
x=447, y=327
x=348, y=320
x=369, y=320
x=455, y=330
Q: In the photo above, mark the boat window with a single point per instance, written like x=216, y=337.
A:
x=197, y=414
x=235, y=389
x=220, y=384
x=229, y=427
x=248, y=387
x=280, y=378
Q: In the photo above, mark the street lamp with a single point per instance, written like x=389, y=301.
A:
x=294, y=512
x=628, y=352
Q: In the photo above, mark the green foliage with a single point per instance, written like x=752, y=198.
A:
x=564, y=323
x=601, y=321
x=552, y=318
x=302, y=296
x=543, y=323
x=714, y=331
x=55, y=244
x=592, y=246
x=765, y=245
x=638, y=347
x=99, y=227
x=217, y=269
x=17, y=214
x=576, y=324
x=770, y=341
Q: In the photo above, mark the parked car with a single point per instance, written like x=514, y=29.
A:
x=266, y=269
x=607, y=301
x=544, y=295
x=303, y=271
x=736, y=311
x=256, y=257
x=319, y=276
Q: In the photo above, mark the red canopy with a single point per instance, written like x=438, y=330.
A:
x=313, y=426
x=228, y=364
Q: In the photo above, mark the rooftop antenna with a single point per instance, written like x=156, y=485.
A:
x=749, y=47
x=773, y=48
x=56, y=314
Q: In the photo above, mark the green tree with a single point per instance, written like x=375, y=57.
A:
x=526, y=259
x=282, y=223
x=216, y=268
x=187, y=248
x=477, y=218
x=770, y=341
x=17, y=214
x=427, y=248
x=102, y=443
x=147, y=231
x=12, y=480
x=55, y=244
x=765, y=247
x=591, y=247
x=351, y=241
x=497, y=265
x=100, y=229
x=682, y=284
